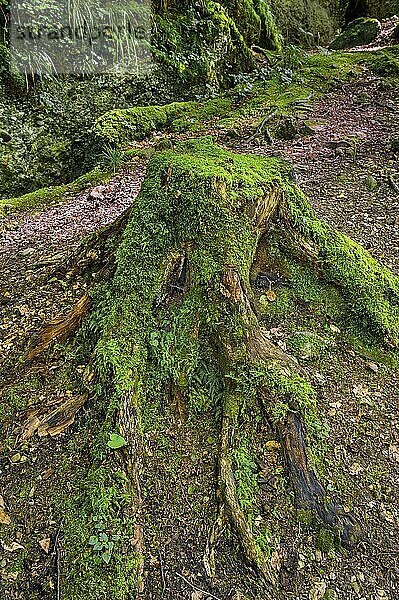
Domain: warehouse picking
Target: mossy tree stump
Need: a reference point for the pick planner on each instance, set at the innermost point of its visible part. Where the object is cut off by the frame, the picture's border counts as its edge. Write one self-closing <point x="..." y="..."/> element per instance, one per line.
<point x="181" y="363"/>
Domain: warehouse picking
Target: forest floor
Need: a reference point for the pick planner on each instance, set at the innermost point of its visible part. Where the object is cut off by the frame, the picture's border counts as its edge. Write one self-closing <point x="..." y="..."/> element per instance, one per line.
<point x="349" y="168"/>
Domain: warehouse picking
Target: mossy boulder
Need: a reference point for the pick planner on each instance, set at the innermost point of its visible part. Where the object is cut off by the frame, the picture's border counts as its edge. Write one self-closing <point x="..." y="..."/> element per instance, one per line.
<point x="359" y="32"/>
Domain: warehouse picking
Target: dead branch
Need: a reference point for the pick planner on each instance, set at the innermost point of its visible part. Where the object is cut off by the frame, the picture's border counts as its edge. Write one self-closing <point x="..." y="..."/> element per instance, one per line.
<point x="262" y="124"/>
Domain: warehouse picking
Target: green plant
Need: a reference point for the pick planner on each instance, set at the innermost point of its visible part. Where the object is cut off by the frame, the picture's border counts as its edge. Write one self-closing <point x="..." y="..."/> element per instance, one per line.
<point x="112" y="158"/>
<point x="116" y="441"/>
<point x="102" y="543"/>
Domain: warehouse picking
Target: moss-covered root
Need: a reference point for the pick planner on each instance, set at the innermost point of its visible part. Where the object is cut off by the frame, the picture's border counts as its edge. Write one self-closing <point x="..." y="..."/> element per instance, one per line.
<point x="235" y="513"/>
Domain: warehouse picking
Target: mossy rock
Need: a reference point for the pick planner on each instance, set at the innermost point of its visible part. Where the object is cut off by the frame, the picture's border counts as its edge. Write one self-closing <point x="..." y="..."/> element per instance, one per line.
<point x="359" y="32"/>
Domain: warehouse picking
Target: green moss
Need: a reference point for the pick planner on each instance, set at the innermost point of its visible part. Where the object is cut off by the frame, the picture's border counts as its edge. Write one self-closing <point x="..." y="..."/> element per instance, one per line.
<point x="307" y="344"/>
<point x="45" y="196"/>
<point x="245" y="477"/>
<point x="236" y="109"/>
<point x="326" y="541"/>
<point x="372" y="291"/>
<point x="385" y="63"/>
<point x="359" y="32"/>
<point x="304" y="517"/>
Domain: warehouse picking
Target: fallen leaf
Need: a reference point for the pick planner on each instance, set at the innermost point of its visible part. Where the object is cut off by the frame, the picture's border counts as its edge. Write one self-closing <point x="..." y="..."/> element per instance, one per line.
<point x="318" y="590"/>
<point x="360" y="390"/>
<point x="12" y="547"/>
<point x="388" y="516"/>
<point x="9" y="576"/>
<point x="45" y="545"/>
<point x="334" y="328"/>
<point x="373" y="367"/>
<point x="272" y="445"/>
<point x="271" y="296"/>
<point x="116" y="441"/>
<point x="4" y="518"/>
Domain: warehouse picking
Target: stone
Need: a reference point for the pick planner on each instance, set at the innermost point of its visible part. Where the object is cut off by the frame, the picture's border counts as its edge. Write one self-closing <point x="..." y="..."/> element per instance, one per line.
<point x="359" y="32"/>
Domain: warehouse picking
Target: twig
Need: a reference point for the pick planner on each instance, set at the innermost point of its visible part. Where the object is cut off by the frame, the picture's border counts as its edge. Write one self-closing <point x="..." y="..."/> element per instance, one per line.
<point x="268" y="136"/>
<point x="388" y="106"/>
<point x="57" y="535"/>
<point x="58" y="573"/>
<point x="162" y="574"/>
<point x="303" y="100"/>
<point x="196" y="588"/>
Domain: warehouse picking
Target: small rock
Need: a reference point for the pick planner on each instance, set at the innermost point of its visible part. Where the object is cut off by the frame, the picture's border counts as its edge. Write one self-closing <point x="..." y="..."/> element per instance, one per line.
<point x="16" y="457"/>
<point x="97" y="193"/>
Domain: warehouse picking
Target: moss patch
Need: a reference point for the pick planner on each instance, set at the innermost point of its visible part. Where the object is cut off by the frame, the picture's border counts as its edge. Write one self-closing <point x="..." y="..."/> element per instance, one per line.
<point x="49" y="195"/>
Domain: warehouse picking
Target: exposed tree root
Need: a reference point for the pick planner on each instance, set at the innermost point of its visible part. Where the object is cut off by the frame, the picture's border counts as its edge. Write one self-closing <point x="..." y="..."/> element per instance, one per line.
<point x="233" y="509"/>
<point x="128" y="421"/>
<point x="309" y="493"/>
<point x="61" y="328"/>
<point x="52" y="419"/>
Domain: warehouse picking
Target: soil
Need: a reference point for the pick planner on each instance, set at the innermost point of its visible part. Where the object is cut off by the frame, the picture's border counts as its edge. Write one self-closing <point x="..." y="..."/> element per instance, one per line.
<point x="343" y="167"/>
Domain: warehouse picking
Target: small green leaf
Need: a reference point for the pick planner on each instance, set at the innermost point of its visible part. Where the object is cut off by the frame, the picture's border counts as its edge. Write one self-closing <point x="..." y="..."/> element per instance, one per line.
<point x="191" y="490"/>
<point x="100" y="526"/>
<point x="103" y="537"/>
<point x="116" y="441"/>
<point x="97" y="547"/>
<point x="106" y="556"/>
<point x="93" y="540"/>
